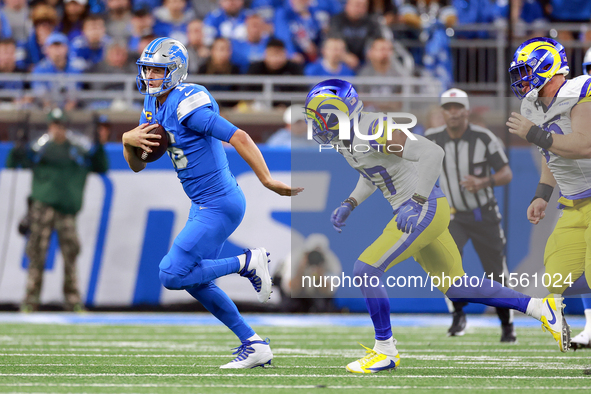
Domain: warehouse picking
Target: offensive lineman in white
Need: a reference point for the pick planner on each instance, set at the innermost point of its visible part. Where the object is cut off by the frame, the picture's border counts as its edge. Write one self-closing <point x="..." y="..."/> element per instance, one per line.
<point x="419" y="228"/>
<point x="555" y="116"/>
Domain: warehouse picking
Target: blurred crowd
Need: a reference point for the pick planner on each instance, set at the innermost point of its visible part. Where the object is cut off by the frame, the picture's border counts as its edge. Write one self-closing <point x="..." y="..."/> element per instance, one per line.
<point x="332" y="38"/>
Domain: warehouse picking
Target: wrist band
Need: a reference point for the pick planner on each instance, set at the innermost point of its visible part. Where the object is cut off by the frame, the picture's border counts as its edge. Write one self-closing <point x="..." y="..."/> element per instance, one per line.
<point x="543" y="191"/>
<point x="492" y="181"/>
<point x="419" y="199"/>
<point x="537" y="136"/>
<point x="351" y="201"/>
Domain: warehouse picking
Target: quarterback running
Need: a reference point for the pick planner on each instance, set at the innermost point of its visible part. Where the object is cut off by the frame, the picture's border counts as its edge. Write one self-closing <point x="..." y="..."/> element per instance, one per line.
<point x="190" y="115"/>
<point x="407" y="178"/>
<point x="555" y="116"/>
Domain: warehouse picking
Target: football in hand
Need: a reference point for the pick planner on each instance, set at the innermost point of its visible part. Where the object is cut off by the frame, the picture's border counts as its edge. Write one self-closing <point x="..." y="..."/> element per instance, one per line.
<point x="157" y="151"/>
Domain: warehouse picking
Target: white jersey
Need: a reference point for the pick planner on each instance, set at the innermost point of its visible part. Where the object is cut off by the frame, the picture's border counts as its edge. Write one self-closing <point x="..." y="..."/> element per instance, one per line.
<point x="396" y="177"/>
<point x="573" y="176"/>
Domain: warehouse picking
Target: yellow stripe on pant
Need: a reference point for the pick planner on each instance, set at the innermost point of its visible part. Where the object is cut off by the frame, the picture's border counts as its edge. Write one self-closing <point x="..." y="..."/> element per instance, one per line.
<point x="431" y="245"/>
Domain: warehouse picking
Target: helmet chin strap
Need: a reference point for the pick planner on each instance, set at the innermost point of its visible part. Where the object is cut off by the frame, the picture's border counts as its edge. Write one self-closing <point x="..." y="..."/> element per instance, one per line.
<point x="532" y="95"/>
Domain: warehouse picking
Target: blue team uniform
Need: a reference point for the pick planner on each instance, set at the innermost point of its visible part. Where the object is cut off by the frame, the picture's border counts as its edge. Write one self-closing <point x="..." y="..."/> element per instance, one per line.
<point x="190" y="115"/>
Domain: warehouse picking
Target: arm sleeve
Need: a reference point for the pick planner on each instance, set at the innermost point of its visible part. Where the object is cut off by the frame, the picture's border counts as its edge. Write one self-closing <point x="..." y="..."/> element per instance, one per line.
<point x="496" y="155"/>
<point x="429" y="156"/>
<point x="205" y="121"/>
<point x="363" y="190"/>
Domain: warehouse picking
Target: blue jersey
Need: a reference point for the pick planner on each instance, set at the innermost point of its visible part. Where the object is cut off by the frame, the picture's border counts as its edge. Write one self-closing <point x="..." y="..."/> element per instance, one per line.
<point x="191" y="116"/>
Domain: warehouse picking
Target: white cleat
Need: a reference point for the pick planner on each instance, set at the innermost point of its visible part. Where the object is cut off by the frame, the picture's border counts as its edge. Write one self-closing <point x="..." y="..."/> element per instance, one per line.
<point x="373" y="362"/>
<point x="256" y="269"/>
<point x="581" y="341"/>
<point x="251" y="354"/>
<point x="554" y="322"/>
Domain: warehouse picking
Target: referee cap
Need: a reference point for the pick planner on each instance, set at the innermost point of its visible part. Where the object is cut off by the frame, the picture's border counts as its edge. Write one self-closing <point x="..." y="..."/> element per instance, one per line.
<point x="455" y="96"/>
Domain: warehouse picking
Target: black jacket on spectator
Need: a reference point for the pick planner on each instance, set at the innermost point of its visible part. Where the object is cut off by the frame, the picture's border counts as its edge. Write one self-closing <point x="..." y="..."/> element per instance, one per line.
<point x="356" y="34"/>
<point x="290" y="68"/>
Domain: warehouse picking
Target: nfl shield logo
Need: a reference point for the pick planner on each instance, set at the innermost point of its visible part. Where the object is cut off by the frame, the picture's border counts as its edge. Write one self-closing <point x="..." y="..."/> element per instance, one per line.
<point x="477" y="171"/>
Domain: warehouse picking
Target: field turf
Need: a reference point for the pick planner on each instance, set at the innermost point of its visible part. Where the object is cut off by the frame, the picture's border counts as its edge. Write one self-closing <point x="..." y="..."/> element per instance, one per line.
<point x="178" y="358"/>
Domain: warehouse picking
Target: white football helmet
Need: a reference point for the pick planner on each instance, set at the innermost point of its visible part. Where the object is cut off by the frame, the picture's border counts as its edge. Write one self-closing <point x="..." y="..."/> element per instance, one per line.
<point x="166" y="53"/>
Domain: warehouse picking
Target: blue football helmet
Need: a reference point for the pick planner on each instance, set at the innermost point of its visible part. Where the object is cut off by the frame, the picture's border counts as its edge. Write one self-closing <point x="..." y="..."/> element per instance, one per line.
<point x="166" y="53"/>
<point x="535" y="62"/>
<point x="333" y="94"/>
<point x="587" y="62"/>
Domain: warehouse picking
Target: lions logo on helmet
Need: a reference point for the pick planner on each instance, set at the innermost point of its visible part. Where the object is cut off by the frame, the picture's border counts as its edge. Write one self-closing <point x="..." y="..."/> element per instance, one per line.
<point x="168" y="54"/>
<point x="535" y="62"/>
<point x="332" y="94"/>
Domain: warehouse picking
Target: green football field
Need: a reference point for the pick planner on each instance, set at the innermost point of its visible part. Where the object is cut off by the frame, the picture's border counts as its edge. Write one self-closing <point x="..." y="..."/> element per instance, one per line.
<point x="184" y="358"/>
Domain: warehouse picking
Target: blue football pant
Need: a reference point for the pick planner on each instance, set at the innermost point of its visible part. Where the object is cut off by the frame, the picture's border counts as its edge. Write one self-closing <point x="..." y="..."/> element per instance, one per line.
<point x="192" y="263"/>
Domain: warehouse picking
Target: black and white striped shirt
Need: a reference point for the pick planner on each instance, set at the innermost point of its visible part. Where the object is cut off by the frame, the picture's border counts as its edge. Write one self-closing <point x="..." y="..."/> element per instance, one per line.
<point x="473" y="154"/>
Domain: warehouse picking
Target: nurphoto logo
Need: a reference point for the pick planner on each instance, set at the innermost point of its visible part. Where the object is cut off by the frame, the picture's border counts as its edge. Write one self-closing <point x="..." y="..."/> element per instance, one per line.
<point x="324" y="123"/>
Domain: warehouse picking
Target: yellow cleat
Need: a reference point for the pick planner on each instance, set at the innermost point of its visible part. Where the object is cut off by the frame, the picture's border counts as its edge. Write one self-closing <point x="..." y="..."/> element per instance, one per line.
<point x="554" y="322"/>
<point x="373" y="362"/>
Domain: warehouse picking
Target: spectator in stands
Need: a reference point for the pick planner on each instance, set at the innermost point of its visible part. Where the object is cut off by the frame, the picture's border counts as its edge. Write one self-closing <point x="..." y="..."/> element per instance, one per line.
<point x="294" y="132"/>
<point x="142" y="23"/>
<point x="75" y="11"/>
<point x="57" y="92"/>
<point x="228" y="21"/>
<point x="253" y="48"/>
<point x="5" y="30"/>
<point x="203" y="8"/>
<point x="137" y="5"/>
<point x="118" y="19"/>
<point x="8" y="65"/>
<point x="356" y="27"/>
<point x="116" y="61"/>
<point x="172" y="19"/>
<point x="276" y="62"/>
<point x="414" y="12"/>
<point x="575" y="11"/>
<point x="382" y="64"/>
<point x="297" y="26"/>
<point x="219" y="62"/>
<point x="323" y="10"/>
<point x="196" y="48"/>
<point x="45" y="20"/>
<point x="17" y="14"/>
<point x="88" y="49"/>
<point x="383" y="11"/>
<point x="331" y="64"/>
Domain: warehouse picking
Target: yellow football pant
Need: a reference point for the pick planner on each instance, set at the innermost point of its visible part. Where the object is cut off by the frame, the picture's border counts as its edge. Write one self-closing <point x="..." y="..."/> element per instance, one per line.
<point x="431" y="245"/>
<point x="568" y="250"/>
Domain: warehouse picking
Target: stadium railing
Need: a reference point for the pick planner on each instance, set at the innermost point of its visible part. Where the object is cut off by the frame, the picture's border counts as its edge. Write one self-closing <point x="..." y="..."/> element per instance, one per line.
<point x="263" y="89"/>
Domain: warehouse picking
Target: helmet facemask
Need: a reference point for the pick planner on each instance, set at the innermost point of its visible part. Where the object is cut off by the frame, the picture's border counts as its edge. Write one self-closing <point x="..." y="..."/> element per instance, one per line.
<point x="143" y="81"/>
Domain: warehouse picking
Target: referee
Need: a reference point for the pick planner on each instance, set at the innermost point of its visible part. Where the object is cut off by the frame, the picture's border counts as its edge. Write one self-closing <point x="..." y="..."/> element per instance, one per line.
<point x="470" y="153"/>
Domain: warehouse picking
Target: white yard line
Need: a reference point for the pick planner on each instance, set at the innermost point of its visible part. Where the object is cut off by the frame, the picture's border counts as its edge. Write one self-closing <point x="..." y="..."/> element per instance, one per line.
<point x="222" y="375"/>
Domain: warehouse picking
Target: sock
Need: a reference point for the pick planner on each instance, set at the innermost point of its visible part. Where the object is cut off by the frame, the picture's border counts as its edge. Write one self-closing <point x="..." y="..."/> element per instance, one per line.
<point x="587" y="319"/>
<point x="488" y="293"/>
<point x="255" y="337"/>
<point x="534" y="308"/>
<point x="221" y="306"/>
<point x="387" y="347"/>
<point x="376" y="300"/>
<point x="580" y="286"/>
<point x="241" y="261"/>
